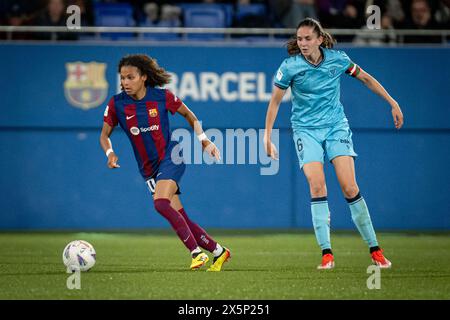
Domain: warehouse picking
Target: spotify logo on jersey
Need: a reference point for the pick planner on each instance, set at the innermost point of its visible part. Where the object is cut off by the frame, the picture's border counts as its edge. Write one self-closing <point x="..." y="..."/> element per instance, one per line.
<point x="134" y="131"/>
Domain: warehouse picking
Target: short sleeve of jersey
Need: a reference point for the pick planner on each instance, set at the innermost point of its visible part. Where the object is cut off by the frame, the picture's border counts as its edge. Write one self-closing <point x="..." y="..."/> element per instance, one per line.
<point x="345" y="61"/>
<point x="172" y="102"/>
<point x="349" y="67"/>
<point x="110" y="116"/>
<point x="283" y="77"/>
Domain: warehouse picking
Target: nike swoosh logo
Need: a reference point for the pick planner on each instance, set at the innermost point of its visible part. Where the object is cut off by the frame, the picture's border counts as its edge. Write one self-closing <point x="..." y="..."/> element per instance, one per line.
<point x="160" y="173"/>
<point x="129" y="117"/>
<point x="186" y="238"/>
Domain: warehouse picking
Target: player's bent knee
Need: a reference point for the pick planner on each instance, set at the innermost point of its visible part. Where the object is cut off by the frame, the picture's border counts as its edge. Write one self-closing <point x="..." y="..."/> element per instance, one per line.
<point x="350" y="191"/>
<point x="317" y="193"/>
<point x="318" y="188"/>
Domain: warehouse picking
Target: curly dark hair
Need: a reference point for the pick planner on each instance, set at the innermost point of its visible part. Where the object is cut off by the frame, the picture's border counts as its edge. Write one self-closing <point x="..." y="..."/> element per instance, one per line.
<point x="328" y="40"/>
<point x="156" y="76"/>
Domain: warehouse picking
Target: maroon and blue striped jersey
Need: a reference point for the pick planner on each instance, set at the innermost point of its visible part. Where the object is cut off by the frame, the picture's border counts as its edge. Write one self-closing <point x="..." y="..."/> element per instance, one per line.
<point x="146" y="124"/>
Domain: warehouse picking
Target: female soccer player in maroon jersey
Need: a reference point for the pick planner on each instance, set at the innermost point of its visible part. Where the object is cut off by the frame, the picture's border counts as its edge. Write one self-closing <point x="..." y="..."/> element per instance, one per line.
<point x="141" y="109"/>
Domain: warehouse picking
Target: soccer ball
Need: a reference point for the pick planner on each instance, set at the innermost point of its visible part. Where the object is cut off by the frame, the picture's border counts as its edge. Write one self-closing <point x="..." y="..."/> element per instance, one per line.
<point x="79" y="255"/>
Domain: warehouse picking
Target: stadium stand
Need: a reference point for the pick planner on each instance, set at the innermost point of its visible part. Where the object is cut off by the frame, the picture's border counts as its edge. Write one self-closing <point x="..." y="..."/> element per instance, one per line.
<point x="114" y="15"/>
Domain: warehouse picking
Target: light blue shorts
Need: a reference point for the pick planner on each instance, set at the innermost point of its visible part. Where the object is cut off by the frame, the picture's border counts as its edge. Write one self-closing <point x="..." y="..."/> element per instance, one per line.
<point x="312" y="144"/>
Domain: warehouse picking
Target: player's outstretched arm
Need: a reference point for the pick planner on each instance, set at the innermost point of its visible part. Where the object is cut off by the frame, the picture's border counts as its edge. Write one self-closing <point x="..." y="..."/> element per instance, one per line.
<point x="106" y="145"/>
<point x="272" y="111"/>
<point x="376" y="87"/>
<point x="207" y="144"/>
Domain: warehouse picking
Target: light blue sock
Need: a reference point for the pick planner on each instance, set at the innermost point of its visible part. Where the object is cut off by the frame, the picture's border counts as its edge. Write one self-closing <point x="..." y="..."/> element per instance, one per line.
<point x="361" y="218"/>
<point x="320" y="217"/>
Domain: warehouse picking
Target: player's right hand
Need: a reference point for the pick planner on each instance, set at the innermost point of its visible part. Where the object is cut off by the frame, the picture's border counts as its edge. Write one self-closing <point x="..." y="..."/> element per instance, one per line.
<point x="211" y="148"/>
<point x="271" y="150"/>
<point x="112" y="161"/>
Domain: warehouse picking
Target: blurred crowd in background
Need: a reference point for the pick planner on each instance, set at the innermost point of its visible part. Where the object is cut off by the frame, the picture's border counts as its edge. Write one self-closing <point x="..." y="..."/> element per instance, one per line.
<point x="346" y="14"/>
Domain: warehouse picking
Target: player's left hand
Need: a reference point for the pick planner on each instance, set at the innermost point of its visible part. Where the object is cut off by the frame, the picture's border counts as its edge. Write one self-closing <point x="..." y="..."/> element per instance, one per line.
<point x="211" y="148"/>
<point x="397" y="115"/>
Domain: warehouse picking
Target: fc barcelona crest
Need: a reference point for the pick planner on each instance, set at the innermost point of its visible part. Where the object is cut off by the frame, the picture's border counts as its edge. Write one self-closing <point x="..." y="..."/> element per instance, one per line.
<point x="85" y="86"/>
<point x="153" y="112"/>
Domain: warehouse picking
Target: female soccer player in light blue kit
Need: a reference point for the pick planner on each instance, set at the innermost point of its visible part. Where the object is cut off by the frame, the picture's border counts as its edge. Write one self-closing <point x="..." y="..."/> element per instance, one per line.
<point x="320" y="126"/>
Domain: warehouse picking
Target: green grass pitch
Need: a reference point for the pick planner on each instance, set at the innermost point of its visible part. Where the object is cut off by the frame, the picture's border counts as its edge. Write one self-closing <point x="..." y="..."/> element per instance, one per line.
<point x="264" y="265"/>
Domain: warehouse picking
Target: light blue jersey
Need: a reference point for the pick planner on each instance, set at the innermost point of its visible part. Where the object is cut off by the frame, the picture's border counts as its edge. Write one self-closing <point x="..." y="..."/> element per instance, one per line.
<point x="315" y="89"/>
